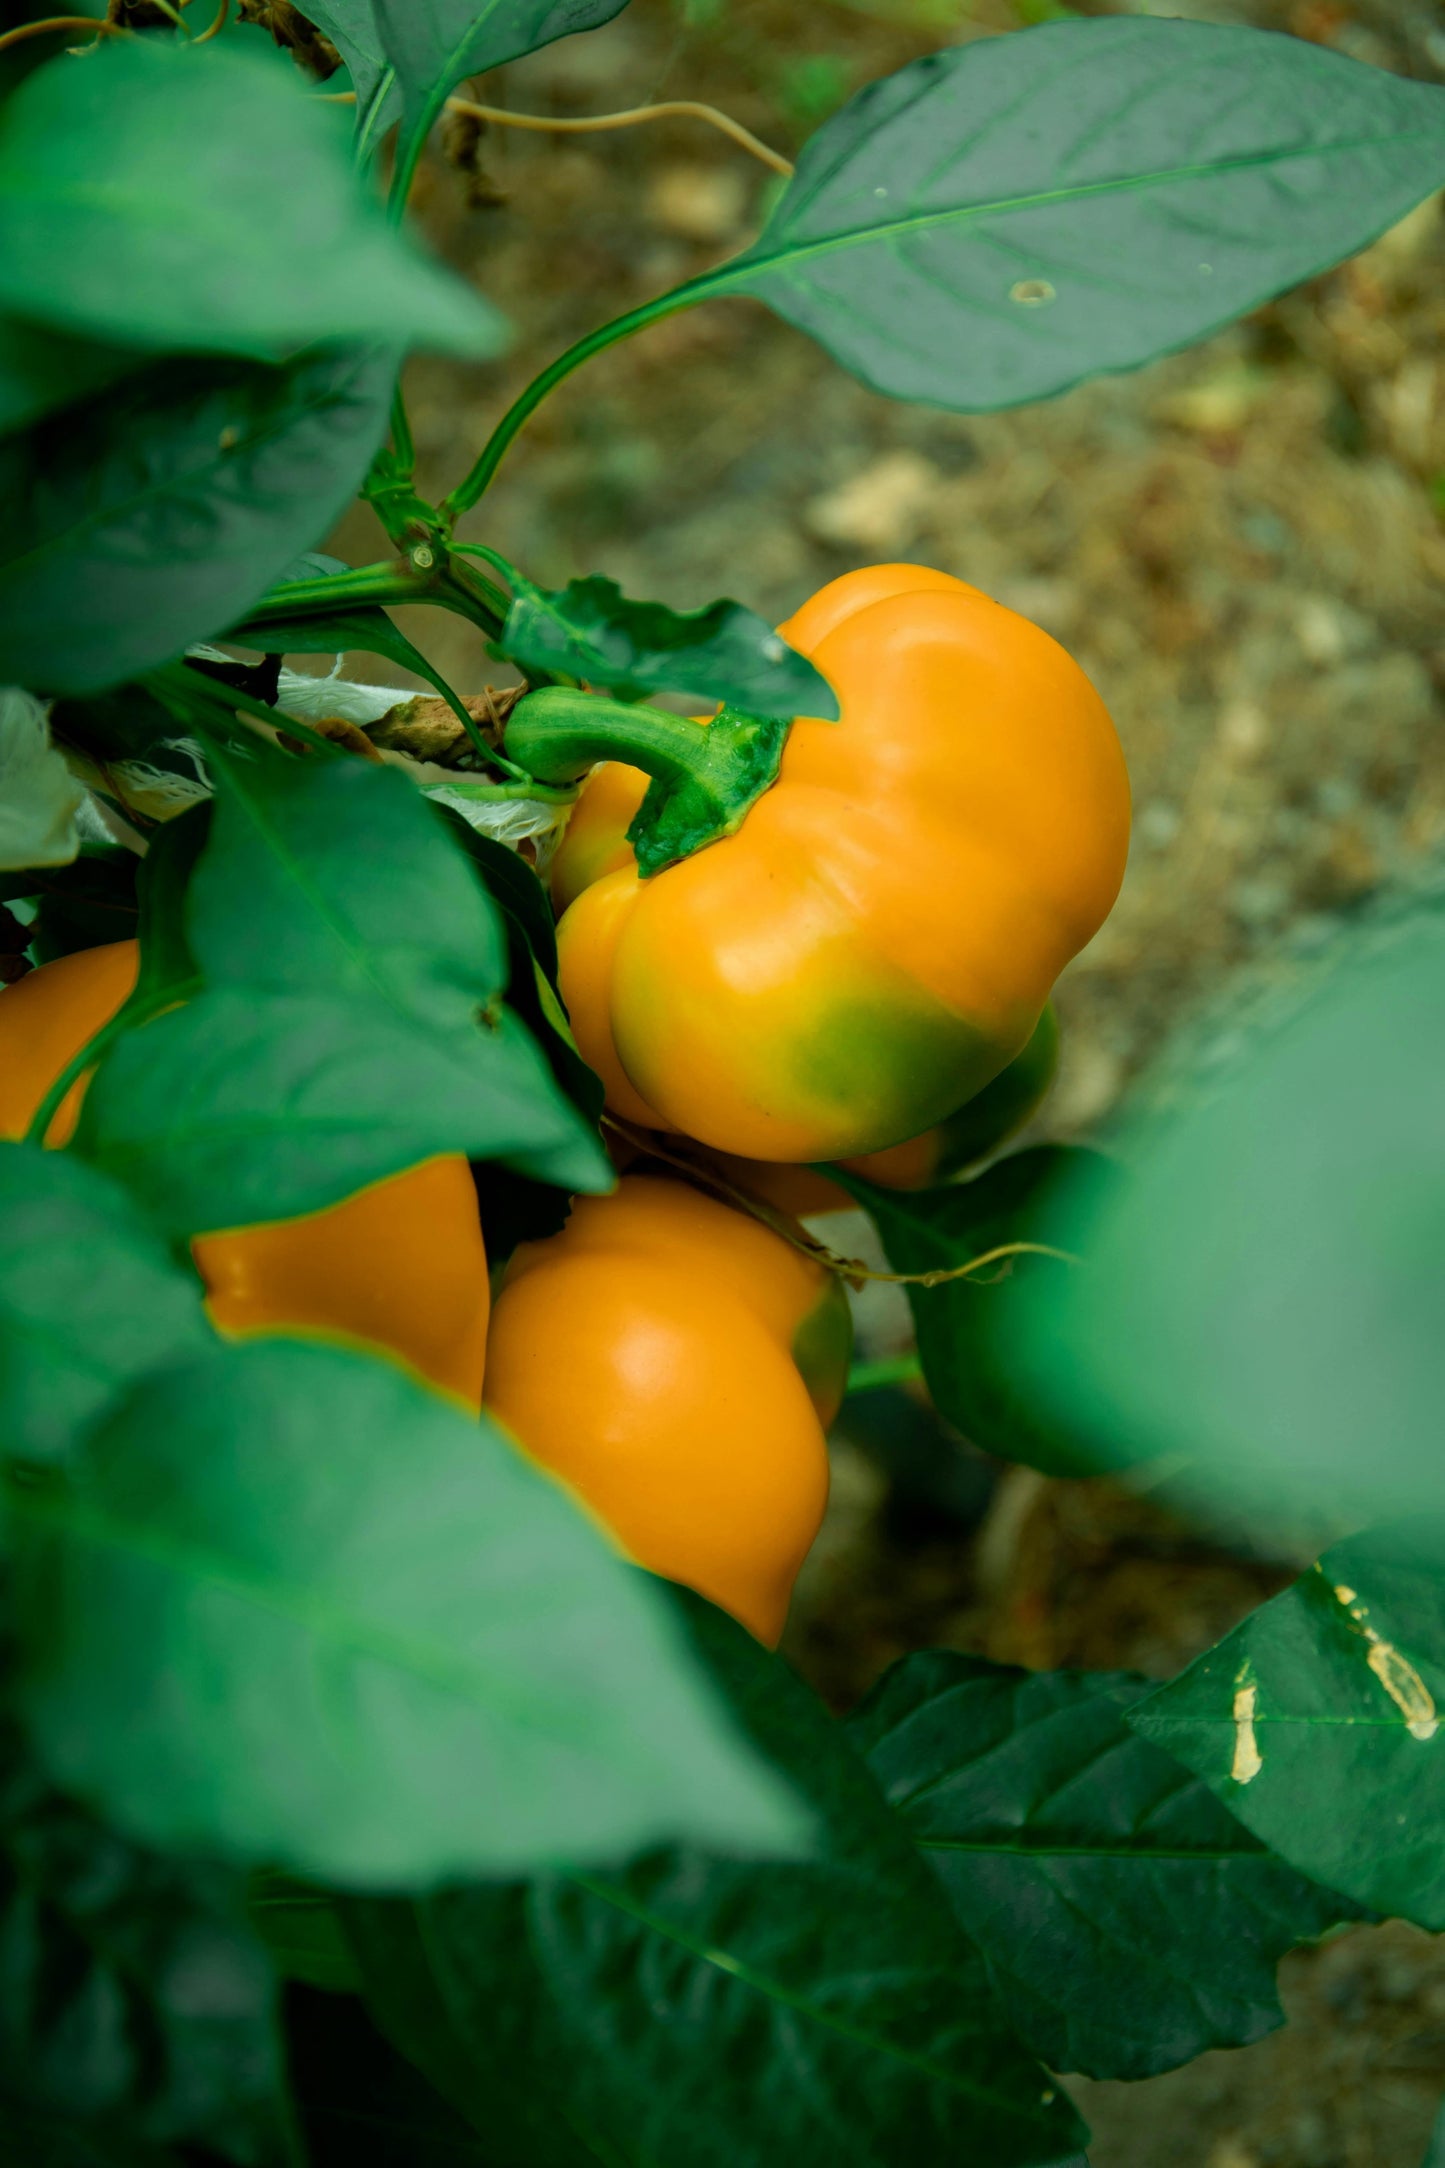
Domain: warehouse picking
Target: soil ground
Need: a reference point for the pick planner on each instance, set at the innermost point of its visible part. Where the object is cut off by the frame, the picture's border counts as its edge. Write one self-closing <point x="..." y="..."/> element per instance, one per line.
<point x="1244" y="546"/>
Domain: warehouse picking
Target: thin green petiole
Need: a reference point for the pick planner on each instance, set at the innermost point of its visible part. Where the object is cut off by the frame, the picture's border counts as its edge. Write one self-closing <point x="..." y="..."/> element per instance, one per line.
<point x="138" y="1010"/>
<point x="401" y="437"/>
<point x="471" y="488"/>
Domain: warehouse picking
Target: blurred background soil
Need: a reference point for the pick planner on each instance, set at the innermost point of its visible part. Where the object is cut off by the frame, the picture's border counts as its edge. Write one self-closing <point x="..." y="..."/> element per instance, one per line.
<point x="1244" y="545"/>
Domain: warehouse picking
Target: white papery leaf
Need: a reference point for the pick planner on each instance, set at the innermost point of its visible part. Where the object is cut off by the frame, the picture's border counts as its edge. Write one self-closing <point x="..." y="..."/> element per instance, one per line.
<point x="39" y="797"/>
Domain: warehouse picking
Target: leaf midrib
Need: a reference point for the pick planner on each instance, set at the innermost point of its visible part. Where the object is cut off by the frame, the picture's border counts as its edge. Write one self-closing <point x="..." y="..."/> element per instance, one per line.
<point x="878" y="232"/>
<point x="732" y="1968"/>
<point x="433" y="1662"/>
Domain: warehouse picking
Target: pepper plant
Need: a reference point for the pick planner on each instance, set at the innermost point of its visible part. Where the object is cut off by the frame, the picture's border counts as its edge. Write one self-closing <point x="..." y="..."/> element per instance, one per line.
<point x="358" y="1801"/>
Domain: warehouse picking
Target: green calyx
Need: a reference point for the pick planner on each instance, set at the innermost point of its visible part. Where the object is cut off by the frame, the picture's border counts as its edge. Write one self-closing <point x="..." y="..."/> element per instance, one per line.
<point x="705" y="777"/>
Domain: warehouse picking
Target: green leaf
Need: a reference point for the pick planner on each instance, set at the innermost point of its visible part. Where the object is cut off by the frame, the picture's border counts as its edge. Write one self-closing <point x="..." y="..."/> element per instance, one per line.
<point x="589" y="629"/>
<point x="41" y="370"/>
<point x="392" y="1664"/>
<point x="996" y="222"/>
<point x="963" y="1325"/>
<point x="136" y="2006"/>
<point x="702" y="2011"/>
<point x="154" y="518"/>
<point x="90" y="1300"/>
<point x="39" y="797"/>
<point x="515" y="1209"/>
<point x="360" y="2103"/>
<point x="1262" y="1290"/>
<point x="45" y="2139"/>
<point x="268" y="241"/>
<point x="168" y="965"/>
<point x="351" y="27"/>
<point x="348" y="1028"/>
<point x="83" y="905"/>
<point x="301" y="1928"/>
<point x="431" y="45"/>
<point x="368" y="630"/>
<point x="1128" y="1921"/>
<point x="1316" y="1721"/>
<point x="1435" y="2151"/>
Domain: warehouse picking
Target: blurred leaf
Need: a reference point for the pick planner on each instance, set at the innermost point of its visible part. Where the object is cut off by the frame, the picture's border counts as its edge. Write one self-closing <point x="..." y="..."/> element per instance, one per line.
<point x="1128" y="1921"/>
<point x="590" y="629"/>
<point x="998" y="221"/>
<point x="268" y="242"/>
<point x="361" y="2104"/>
<point x="43" y="2138"/>
<point x="39" y="797"/>
<point x="301" y="1928"/>
<point x="1264" y="1281"/>
<point x="1435" y="2151"/>
<point x="295" y="1609"/>
<point x="90" y="1300"/>
<point x="703" y="2011"/>
<point x="136" y="2006"/>
<point x="349" y="1026"/>
<point x="1316" y="1721"/>
<point x="432" y="45"/>
<point x="960" y="1324"/>
<point x="153" y="519"/>
<point x="41" y="370"/>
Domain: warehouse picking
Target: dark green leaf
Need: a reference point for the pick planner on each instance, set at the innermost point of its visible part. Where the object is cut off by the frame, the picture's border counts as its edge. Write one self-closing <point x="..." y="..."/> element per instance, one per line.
<point x="590" y="629"/>
<point x="349" y="1027"/>
<point x="1316" y="1721"/>
<point x="136" y="2006"/>
<point x="1435" y="2151"/>
<point x="368" y="631"/>
<point x="361" y="2104"/>
<point x="152" y="519"/>
<point x="44" y="2139"/>
<point x="962" y="1324"/>
<point x="90" y="1300"/>
<point x="998" y="221"/>
<point x="301" y="1928"/>
<point x="351" y="27"/>
<point x="41" y="370"/>
<point x="83" y="905"/>
<point x="269" y="240"/>
<point x="515" y="1209"/>
<point x="403" y="1661"/>
<point x="1263" y="1286"/>
<point x="1128" y="1921"/>
<point x="432" y="45"/>
<point x="704" y="2012"/>
<point x="167" y="964"/>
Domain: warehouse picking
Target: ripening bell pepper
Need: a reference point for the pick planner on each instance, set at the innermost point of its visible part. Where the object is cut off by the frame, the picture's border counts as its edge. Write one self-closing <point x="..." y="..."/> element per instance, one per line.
<point x="877" y="939"/>
<point x="677" y="1365"/>
<point x="400" y="1265"/>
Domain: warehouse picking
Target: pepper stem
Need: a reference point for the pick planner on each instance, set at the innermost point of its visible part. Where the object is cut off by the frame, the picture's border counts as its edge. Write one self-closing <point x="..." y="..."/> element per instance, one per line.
<point x="706" y="776"/>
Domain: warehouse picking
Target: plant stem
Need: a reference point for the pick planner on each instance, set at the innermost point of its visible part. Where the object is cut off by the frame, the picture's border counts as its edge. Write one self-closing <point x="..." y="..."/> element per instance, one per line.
<point x="471" y="488"/>
<point x="558" y="734"/>
<point x="402" y="442"/>
<point x="392" y="581"/>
